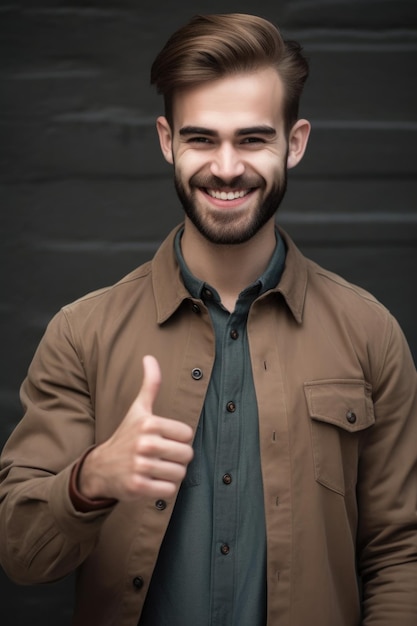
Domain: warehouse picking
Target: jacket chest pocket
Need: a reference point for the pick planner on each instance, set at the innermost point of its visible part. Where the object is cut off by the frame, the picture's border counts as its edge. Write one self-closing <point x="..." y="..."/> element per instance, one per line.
<point x="340" y="411"/>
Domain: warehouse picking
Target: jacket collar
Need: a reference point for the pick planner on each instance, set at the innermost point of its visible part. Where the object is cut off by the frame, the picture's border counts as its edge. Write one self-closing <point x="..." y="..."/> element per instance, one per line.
<point x="170" y="291"/>
<point x="168" y="288"/>
<point x="293" y="283"/>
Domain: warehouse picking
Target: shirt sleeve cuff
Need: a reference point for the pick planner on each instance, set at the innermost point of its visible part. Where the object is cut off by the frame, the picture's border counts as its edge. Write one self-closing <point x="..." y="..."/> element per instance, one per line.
<point x="80" y="502"/>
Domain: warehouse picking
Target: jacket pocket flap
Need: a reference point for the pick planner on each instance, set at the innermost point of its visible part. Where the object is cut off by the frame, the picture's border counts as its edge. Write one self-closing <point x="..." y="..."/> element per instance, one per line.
<point x="346" y="403"/>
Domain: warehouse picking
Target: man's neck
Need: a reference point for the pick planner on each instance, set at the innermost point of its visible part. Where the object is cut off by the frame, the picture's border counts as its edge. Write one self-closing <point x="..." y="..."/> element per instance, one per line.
<point x="228" y="268"/>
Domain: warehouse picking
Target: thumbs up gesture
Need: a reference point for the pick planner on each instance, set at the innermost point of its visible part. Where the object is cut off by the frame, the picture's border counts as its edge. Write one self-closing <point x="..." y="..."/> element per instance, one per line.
<point x="146" y="456"/>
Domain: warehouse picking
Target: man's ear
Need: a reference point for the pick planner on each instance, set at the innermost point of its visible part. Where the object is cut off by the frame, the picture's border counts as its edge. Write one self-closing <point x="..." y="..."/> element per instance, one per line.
<point x="297" y="142"/>
<point x="165" y="138"/>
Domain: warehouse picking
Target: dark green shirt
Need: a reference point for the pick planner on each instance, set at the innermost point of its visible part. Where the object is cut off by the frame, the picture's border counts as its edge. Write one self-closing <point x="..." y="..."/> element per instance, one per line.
<point x="211" y="568"/>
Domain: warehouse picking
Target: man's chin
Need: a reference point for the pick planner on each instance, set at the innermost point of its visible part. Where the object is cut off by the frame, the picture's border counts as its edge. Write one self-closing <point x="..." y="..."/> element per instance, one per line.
<point x="225" y="230"/>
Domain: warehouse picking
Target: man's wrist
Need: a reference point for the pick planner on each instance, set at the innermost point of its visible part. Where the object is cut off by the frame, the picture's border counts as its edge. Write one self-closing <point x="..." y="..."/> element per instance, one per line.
<point x="82" y="503"/>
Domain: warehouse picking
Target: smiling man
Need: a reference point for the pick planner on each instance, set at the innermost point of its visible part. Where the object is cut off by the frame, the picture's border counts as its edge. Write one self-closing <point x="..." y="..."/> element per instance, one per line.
<point x="231" y="153"/>
<point x="230" y="149"/>
<point x="228" y="435"/>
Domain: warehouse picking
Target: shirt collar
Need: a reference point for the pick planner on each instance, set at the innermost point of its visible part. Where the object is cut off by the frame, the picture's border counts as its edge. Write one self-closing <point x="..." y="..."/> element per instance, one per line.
<point x="268" y="280"/>
<point x="170" y="291"/>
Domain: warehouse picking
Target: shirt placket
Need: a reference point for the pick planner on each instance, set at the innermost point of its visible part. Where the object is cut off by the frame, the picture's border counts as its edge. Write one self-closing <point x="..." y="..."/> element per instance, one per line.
<point x="225" y="484"/>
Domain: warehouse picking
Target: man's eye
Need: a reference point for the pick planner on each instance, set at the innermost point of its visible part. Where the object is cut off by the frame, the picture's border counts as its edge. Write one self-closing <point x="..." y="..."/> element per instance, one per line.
<point x="253" y="140"/>
<point x="198" y="140"/>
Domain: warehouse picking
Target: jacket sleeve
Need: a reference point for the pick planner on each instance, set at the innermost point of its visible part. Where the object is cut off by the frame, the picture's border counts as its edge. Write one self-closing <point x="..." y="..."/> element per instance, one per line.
<point x="387" y="491"/>
<point x="43" y="537"/>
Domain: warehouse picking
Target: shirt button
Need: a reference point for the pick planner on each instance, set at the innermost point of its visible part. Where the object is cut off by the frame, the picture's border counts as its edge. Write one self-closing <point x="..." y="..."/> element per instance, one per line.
<point x="227" y="479"/>
<point x="234" y="334"/>
<point x="138" y="582"/>
<point x="207" y="293"/>
<point x="161" y="505"/>
<point x="224" y="549"/>
<point x="196" y="308"/>
<point x="231" y="407"/>
<point x="196" y="373"/>
<point x="351" y="417"/>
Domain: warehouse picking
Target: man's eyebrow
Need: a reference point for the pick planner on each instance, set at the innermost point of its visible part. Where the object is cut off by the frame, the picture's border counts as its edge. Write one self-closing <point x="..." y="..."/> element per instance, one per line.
<point x="257" y="130"/>
<point x="263" y="129"/>
<point x="196" y="130"/>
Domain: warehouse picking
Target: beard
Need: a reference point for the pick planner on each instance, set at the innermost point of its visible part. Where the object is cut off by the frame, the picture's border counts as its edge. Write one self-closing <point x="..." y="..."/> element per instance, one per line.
<point x="224" y="227"/>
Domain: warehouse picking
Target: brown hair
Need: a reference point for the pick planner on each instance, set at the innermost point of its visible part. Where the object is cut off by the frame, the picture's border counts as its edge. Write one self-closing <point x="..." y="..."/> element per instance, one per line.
<point x="210" y="47"/>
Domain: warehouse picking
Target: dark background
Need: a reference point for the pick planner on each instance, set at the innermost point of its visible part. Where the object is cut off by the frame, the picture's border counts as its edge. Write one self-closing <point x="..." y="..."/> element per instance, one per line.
<point x="85" y="195"/>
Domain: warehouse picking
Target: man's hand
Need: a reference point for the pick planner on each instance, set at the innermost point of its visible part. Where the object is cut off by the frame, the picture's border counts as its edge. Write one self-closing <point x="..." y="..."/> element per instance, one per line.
<point x="146" y="456"/>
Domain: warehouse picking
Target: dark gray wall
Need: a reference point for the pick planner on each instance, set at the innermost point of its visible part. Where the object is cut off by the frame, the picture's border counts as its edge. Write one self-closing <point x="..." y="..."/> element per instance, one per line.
<point x="86" y="196"/>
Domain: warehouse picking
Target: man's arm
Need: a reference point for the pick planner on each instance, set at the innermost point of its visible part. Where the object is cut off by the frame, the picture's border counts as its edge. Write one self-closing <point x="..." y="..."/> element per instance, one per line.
<point x="47" y="533"/>
<point x="387" y="493"/>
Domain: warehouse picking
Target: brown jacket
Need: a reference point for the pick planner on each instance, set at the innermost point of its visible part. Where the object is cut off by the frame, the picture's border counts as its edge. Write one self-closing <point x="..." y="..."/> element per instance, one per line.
<point x="337" y="395"/>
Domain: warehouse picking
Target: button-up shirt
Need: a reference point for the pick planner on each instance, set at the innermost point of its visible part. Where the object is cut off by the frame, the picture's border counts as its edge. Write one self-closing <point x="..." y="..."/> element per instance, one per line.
<point x="211" y="568"/>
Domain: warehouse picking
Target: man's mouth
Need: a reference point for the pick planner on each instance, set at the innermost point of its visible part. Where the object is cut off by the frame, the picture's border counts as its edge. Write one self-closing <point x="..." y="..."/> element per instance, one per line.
<point x="227" y="195"/>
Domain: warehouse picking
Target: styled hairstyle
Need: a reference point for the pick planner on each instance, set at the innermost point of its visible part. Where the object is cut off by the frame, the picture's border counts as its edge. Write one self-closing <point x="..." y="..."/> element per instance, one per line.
<point x="210" y="47"/>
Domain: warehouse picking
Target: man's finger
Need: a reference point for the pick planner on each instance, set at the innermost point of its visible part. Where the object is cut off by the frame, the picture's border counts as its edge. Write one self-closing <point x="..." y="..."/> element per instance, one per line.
<point x="151" y="382"/>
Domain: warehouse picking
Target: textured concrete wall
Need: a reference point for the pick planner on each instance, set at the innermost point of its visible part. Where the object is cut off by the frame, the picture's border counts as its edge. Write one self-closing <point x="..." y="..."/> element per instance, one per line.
<point x="85" y="195"/>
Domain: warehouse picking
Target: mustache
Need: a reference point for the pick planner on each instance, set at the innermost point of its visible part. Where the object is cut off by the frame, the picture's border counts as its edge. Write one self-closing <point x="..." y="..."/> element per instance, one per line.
<point x="214" y="182"/>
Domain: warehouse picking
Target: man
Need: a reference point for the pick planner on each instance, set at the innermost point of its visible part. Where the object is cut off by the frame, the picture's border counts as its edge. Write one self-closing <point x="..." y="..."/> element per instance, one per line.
<point x="269" y="457"/>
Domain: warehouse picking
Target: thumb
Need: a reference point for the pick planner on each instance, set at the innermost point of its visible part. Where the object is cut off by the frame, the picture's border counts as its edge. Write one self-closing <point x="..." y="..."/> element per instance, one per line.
<point x="151" y="382"/>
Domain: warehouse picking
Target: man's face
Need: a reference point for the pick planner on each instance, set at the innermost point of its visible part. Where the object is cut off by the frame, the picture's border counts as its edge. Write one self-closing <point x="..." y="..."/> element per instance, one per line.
<point x="229" y="152"/>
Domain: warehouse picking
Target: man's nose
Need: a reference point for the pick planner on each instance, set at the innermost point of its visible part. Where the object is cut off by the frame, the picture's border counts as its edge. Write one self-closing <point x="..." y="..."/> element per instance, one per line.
<point x="227" y="163"/>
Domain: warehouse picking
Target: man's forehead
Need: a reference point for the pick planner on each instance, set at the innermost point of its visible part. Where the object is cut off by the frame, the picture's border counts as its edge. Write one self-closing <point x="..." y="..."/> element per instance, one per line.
<point x="250" y="99"/>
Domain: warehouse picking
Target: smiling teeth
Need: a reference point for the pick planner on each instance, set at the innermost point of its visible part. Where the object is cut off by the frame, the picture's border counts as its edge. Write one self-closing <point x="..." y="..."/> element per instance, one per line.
<point x="227" y="195"/>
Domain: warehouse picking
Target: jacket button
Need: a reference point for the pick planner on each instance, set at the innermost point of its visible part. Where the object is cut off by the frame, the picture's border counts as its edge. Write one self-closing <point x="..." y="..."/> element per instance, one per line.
<point x="196" y="373"/>
<point x="161" y="505"/>
<point x="225" y="549"/>
<point x="196" y="308"/>
<point x="351" y="417"/>
<point x="227" y="479"/>
<point x="231" y="407"/>
<point x="138" y="582"/>
<point x="234" y="334"/>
